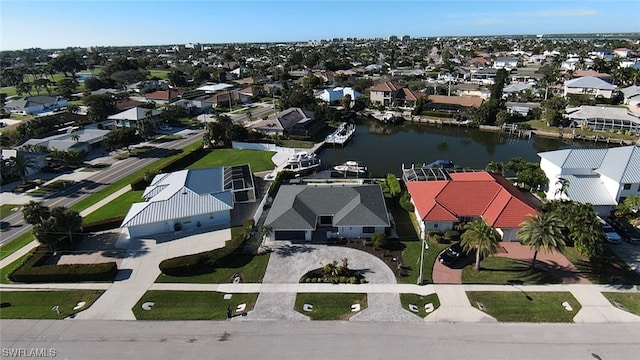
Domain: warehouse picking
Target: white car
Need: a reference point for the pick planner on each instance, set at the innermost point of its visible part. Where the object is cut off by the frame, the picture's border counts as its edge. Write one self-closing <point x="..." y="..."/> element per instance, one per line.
<point x="612" y="236"/>
<point x="165" y="127"/>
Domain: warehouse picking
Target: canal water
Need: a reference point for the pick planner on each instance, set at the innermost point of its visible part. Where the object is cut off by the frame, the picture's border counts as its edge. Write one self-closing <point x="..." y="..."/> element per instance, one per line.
<point x="384" y="148"/>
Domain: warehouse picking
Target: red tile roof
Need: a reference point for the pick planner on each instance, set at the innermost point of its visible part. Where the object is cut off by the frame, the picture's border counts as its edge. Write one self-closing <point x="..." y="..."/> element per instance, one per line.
<point x="466" y="101"/>
<point x="483" y="194"/>
<point x="387" y="86"/>
<point x="165" y="94"/>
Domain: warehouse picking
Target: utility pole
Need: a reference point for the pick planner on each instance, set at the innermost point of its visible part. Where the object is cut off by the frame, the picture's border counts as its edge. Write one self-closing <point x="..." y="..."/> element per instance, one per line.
<point x="425" y="246"/>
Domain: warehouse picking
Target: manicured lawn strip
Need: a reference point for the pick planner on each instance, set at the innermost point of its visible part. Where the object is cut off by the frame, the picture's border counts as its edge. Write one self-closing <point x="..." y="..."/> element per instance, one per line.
<point x="499" y="270"/>
<point x="298" y="144"/>
<point x="190" y="305"/>
<point x="631" y="301"/>
<point x="8" y="209"/>
<point x="15" y="244"/>
<point x="251" y="267"/>
<point x="605" y="269"/>
<point x="38" y="304"/>
<point x="516" y="307"/>
<point x="110" y="189"/>
<point x="160" y="74"/>
<point x="118" y="207"/>
<point x="5" y="271"/>
<point x="330" y="306"/>
<point x="259" y="160"/>
<point x="419" y="301"/>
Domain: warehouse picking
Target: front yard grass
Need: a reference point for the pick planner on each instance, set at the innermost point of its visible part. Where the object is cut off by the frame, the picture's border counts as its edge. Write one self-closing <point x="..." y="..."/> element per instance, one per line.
<point x="50" y="188"/>
<point x="258" y="160"/>
<point x="500" y="270"/>
<point x="118" y="207"/>
<point x="5" y="271"/>
<point x="420" y="301"/>
<point x="605" y="269"/>
<point x="631" y="301"/>
<point x="191" y="305"/>
<point x="8" y="209"/>
<point x="12" y="246"/>
<point x="38" y="304"/>
<point x="526" y="307"/>
<point x="250" y="267"/>
<point x="330" y="306"/>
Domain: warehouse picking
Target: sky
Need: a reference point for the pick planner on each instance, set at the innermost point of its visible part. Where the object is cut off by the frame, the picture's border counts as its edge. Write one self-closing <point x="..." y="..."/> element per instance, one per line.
<point x="60" y="24"/>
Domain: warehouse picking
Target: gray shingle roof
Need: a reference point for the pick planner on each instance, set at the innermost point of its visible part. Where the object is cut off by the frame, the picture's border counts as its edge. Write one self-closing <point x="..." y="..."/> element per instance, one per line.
<point x="296" y="207"/>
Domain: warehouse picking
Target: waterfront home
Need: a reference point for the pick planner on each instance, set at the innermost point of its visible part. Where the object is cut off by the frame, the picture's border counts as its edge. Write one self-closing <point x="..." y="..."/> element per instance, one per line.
<point x="333" y="95"/>
<point x="461" y="197"/>
<point x="293" y="121"/>
<point x="602" y="118"/>
<point x="602" y="177"/>
<point x="452" y="104"/>
<point x="589" y="85"/>
<point x="189" y="199"/>
<point x="308" y="212"/>
<point x="393" y="94"/>
<point x="507" y="63"/>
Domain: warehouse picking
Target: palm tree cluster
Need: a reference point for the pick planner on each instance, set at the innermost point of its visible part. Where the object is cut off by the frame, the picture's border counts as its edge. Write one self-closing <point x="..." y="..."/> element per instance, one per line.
<point x="54" y="227"/>
<point x="17" y="166"/>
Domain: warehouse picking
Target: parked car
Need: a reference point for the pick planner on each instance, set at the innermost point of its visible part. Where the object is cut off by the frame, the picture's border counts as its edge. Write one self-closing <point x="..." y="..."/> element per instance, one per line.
<point x="628" y="232"/>
<point x="165" y="128"/>
<point x="455" y="257"/>
<point x="611" y="235"/>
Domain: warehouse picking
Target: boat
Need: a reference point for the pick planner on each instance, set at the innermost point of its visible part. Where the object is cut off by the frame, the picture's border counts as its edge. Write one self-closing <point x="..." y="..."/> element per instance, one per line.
<point x="302" y="163"/>
<point x="349" y="168"/>
<point x="445" y="164"/>
<point x="342" y="134"/>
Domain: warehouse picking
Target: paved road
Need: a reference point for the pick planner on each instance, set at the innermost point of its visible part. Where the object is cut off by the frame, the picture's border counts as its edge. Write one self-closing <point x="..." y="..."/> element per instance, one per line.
<point x="84" y="188"/>
<point x="88" y="339"/>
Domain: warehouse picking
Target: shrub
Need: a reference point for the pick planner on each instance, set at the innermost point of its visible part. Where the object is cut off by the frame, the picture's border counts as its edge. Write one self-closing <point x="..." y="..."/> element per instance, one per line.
<point x="32" y="271"/>
<point x="379" y="239"/>
<point x="363" y="281"/>
<point x="405" y="202"/>
<point x="353" y="280"/>
<point x="440" y="239"/>
<point x="139" y="184"/>
<point x="451" y="235"/>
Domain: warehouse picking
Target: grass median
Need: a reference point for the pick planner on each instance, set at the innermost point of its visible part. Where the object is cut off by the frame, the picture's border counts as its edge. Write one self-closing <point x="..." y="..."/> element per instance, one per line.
<point x="419" y="301"/>
<point x="330" y="306"/>
<point x="624" y="301"/>
<point x="39" y="304"/>
<point x="14" y="245"/>
<point x="191" y="305"/>
<point x="521" y="306"/>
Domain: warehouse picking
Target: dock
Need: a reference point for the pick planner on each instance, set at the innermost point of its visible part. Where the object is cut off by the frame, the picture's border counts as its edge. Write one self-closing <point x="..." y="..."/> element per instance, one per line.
<point x="341" y="135"/>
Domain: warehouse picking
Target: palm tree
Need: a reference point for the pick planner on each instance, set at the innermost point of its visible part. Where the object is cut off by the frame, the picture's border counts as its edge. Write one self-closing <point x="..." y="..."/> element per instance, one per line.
<point x="34" y="212"/>
<point x="481" y="237"/>
<point x="21" y="164"/>
<point x="562" y="188"/>
<point x="75" y="137"/>
<point x="542" y="232"/>
<point x="67" y="220"/>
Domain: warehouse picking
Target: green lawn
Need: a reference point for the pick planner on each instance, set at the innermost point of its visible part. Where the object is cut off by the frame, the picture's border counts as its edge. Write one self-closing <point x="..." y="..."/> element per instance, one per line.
<point x="419" y="301"/>
<point x="38" y="304"/>
<point x="297" y="144"/>
<point x="499" y="270"/>
<point x="9" y="248"/>
<point x="330" y="306"/>
<point x="8" y="209"/>
<point x="605" y="269"/>
<point x="118" y="207"/>
<point x="5" y="271"/>
<point x="631" y="301"/>
<point x="190" y="305"/>
<point x="160" y="74"/>
<point x="259" y="160"/>
<point x="526" y="307"/>
<point x="250" y="267"/>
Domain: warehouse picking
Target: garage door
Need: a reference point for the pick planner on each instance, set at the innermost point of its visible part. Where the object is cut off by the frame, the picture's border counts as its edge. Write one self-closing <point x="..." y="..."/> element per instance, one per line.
<point x="290" y="235"/>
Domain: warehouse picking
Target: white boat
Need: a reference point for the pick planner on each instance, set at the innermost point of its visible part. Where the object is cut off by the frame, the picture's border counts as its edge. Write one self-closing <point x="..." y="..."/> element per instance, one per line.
<point x="302" y="155"/>
<point x="302" y="162"/>
<point x="342" y="134"/>
<point x="350" y="168"/>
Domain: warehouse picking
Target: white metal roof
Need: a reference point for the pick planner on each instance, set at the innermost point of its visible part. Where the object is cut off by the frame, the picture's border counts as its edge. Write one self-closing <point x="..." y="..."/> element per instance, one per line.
<point x="588" y="189"/>
<point x="622" y="164"/>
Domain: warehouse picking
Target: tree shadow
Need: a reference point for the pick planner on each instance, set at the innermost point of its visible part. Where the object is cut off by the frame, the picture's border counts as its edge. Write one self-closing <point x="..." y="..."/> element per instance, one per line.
<point x="290" y="250"/>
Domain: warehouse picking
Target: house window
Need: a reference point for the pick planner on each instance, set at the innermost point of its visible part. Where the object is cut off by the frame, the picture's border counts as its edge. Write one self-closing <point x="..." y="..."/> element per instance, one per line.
<point x="627" y="186"/>
<point x="326" y="220"/>
<point x="435" y="226"/>
<point x="368" y="230"/>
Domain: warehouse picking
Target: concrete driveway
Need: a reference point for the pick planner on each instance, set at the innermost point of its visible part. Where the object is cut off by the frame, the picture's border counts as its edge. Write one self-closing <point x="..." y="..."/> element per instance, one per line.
<point x="289" y="262"/>
<point x="629" y="253"/>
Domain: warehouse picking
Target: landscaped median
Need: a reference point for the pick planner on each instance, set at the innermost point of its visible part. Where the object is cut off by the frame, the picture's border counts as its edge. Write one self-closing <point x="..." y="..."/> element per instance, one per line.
<point x="520" y="306"/>
<point x="624" y="301"/>
<point x="420" y="305"/>
<point x="192" y="305"/>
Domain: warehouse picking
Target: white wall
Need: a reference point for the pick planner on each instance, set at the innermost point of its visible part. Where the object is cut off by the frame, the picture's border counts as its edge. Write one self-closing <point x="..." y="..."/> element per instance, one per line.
<point x="508" y="234"/>
<point x="222" y="218"/>
<point x="553" y="172"/>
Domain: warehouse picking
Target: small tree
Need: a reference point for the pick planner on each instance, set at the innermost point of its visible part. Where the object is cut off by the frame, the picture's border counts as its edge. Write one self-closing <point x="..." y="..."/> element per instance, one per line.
<point x="379" y="239"/>
<point x="35" y="213"/>
<point x="394" y="185"/>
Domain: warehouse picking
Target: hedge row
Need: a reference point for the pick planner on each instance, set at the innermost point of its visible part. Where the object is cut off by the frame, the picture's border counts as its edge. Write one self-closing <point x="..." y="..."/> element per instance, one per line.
<point x="200" y="263"/>
<point x="103" y="224"/>
<point x="32" y="271"/>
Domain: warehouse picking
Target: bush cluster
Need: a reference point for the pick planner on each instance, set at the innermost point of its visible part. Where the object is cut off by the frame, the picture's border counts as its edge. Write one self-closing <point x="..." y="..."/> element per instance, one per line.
<point x="32" y="271"/>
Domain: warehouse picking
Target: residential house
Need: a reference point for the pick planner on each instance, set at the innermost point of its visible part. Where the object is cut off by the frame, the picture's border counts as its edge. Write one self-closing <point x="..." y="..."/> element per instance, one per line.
<point x="507" y="63"/>
<point x="127" y="104"/>
<point x="83" y="140"/>
<point x="632" y="96"/>
<point x="327" y="76"/>
<point x="165" y="96"/>
<point x="226" y="99"/>
<point x="334" y="95"/>
<point x="515" y="89"/>
<point x="520" y="108"/>
<point x="472" y="90"/>
<point x="393" y="94"/>
<point x="622" y="52"/>
<point x="132" y="117"/>
<point x="193" y="107"/>
<point x="35" y="104"/>
<point x="214" y="88"/>
<point x="588" y="85"/>
<point x="602" y="177"/>
<point x="601" y="118"/>
<point x="582" y="73"/>
<point x="479" y="62"/>
<point x="146" y="86"/>
<point x="293" y="121"/>
<point x="39" y="160"/>
<point x="462" y="197"/>
<point x="452" y="104"/>
<point x="185" y="200"/>
<point x="308" y="212"/>
<point x="486" y="76"/>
